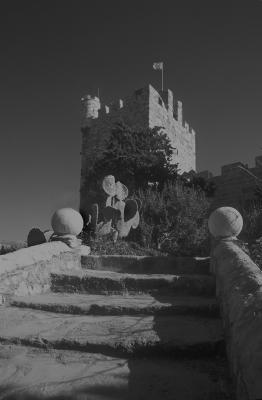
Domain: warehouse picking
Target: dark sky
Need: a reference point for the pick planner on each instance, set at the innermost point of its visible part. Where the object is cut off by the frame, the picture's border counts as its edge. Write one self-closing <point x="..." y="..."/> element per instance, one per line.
<point x="53" y="52"/>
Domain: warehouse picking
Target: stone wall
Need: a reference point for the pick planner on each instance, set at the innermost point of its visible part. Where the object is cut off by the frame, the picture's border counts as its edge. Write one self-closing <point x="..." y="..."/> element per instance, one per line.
<point x="235" y="187"/>
<point x="27" y="271"/>
<point x="145" y="108"/>
<point x="239" y="290"/>
<point x="167" y="113"/>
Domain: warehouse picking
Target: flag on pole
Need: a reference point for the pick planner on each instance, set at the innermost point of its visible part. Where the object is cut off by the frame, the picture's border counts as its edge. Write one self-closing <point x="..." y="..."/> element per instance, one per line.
<point x="158" y="65"/>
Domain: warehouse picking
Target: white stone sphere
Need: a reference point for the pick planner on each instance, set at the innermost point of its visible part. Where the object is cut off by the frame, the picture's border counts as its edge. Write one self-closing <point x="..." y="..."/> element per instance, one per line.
<point x="225" y="222"/>
<point x="67" y="221"/>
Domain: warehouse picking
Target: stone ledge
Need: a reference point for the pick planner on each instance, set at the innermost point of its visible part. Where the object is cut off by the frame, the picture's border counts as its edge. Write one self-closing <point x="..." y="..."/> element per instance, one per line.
<point x="147" y="264"/>
<point x="27" y="271"/>
<point x="31" y="255"/>
<point x="177" y="335"/>
<point x="239" y="289"/>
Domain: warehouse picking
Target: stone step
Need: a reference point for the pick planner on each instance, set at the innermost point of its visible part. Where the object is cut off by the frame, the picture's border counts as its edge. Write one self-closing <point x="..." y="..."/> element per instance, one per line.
<point x="113" y="335"/>
<point x="31" y="373"/>
<point x="118" y="305"/>
<point x="147" y="264"/>
<point x="108" y="282"/>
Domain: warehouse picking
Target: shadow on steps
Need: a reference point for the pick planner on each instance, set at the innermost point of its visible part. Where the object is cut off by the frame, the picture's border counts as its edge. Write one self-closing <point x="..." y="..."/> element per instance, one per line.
<point x="164" y="379"/>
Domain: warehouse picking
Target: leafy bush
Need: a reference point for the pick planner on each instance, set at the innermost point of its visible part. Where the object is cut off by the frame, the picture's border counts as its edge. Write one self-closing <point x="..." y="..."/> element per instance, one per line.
<point x="174" y="220"/>
<point x="252" y="232"/>
<point x="9" y="247"/>
<point x="104" y="245"/>
<point x="136" y="156"/>
<point x="255" y="252"/>
<point x="252" y="218"/>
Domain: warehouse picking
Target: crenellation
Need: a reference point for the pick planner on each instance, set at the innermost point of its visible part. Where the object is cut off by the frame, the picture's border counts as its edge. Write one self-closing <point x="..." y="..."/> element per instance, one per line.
<point x="180" y="112"/>
<point x="186" y="125"/>
<point x="105" y="109"/>
<point x="90" y="109"/>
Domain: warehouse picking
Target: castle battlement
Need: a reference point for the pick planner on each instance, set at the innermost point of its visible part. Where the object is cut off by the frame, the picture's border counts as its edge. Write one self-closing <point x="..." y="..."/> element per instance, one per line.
<point x="144" y="108"/>
<point x="93" y="108"/>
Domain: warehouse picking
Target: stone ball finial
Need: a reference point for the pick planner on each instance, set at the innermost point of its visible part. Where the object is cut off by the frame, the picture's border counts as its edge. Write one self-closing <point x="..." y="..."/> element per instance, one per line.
<point x="67" y="221"/>
<point x="225" y="222"/>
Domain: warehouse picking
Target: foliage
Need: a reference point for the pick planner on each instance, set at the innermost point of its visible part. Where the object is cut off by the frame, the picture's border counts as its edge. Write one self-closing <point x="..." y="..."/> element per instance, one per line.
<point x="252" y="218"/>
<point x="104" y="245"/>
<point x="255" y="252"/>
<point x="135" y="157"/>
<point x="252" y="232"/>
<point x="174" y="210"/>
<point x="174" y="220"/>
<point x="200" y="183"/>
<point x="10" y="247"/>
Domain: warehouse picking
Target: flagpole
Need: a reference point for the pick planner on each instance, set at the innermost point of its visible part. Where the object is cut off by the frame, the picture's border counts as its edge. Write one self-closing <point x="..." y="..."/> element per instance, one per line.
<point x="162" y="77"/>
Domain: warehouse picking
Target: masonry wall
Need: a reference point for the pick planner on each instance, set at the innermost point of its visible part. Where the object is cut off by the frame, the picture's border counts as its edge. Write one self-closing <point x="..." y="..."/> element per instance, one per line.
<point x="28" y="271"/>
<point x="164" y="111"/>
<point x="235" y="187"/>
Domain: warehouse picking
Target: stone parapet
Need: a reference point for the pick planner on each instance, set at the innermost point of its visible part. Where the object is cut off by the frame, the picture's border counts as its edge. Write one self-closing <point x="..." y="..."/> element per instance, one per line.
<point x="27" y="271"/>
<point x="239" y="290"/>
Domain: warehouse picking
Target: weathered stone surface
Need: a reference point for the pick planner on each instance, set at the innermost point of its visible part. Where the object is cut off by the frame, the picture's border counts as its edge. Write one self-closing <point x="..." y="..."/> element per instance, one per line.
<point x="27" y="271"/>
<point x="225" y="222"/>
<point x="119" y="305"/>
<point x="239" y="288"/>
<point x="112" y="335"/>
<point x="103" y="282"/>
<point x="84" y="250"/>
<point x="34" y="374"/>
<point x="148" y="264"/>
<point x="67" y="221"/>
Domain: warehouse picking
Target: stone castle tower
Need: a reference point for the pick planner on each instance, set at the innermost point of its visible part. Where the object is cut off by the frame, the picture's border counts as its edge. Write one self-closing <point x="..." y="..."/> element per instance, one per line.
<point x="145" y="108"/>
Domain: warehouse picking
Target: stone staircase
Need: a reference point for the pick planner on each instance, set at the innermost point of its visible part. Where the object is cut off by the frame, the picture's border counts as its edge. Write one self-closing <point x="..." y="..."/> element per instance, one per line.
<point x="102" y="334"/>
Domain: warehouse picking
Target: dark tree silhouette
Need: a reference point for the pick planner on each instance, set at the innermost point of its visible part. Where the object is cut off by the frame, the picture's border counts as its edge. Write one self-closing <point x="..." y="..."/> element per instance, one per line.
<point x="136" y="157"/>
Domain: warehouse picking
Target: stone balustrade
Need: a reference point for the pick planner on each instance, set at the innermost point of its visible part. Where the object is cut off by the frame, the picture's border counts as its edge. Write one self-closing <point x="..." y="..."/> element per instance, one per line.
<point x="27" y="271"/>
<point x="239" y="290"/>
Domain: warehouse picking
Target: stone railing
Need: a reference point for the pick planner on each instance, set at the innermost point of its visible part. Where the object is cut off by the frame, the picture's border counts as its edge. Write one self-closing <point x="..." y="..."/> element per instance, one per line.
<point x="27" y="271"/>
<point x="239" y="291"/>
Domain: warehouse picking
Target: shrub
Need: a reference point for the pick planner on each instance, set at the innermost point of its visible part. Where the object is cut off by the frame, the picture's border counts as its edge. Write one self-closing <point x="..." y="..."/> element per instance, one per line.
<point x="134" y="156"/>
<point x="174" y="220"/>
<point x="252" y="232"/>
<point x="252" y="218"/>
<point x="104" y="245"/>
<point x="9" y="247"/>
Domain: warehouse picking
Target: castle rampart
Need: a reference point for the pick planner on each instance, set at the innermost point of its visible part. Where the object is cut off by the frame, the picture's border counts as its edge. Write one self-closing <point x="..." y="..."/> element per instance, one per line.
<point x="236" y="186"/>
